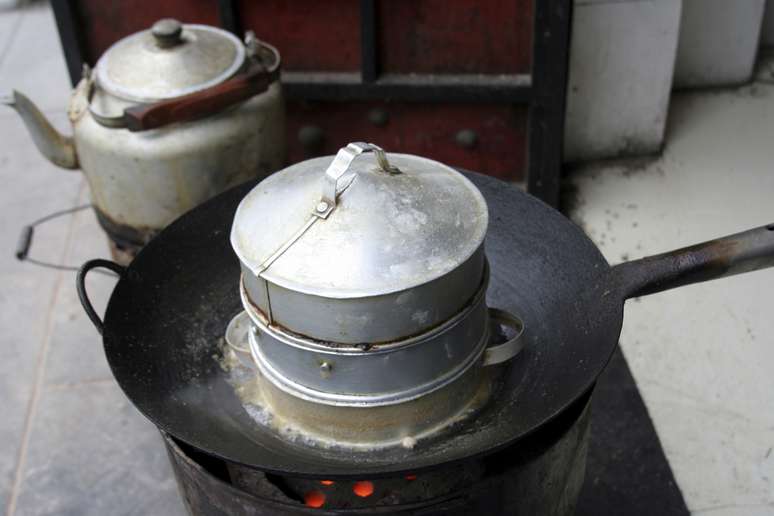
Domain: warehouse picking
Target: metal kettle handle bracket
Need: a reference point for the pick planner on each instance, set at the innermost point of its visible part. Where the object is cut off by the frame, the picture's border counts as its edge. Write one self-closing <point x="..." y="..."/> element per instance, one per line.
<point x="511" y="347"/>
<point x="339" y="166"/>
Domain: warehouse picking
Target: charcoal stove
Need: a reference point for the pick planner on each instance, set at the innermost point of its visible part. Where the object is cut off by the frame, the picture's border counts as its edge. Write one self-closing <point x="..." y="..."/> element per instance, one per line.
<point x="374" y="376"/>
<point x="542" y="475"/>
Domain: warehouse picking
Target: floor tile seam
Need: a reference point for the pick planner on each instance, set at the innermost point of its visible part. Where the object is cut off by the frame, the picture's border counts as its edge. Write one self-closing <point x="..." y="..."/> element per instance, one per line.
<point x="14" y="32"/>
<point x="712" y="508"/>
<point x="40" y="369"/>
<point x="48" y="111"/>
<point x="64" y="386"/>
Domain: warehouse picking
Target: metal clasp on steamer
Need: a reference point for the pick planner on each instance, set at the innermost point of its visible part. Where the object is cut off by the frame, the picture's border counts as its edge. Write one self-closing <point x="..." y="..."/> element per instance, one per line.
<point x="332" y="189"/>
<point x="340" y="165"/>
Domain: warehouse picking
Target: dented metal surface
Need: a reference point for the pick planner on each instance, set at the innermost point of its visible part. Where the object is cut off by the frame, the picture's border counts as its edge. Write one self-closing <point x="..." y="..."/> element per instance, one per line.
<point x="348" y="414"/>
<point x="373" y="318"/>
<point x="368" y="428"/>
<point x="124" y="241"/>
<point x="389" y="232"/>
<point x="140" y="182"/>
<point x="400" y="253"/>
<point x="148" y="179"/>
<point x="377" y="373"/>
<point x="123" y="235"/>
<point x="137" y="67"/>
<point x="383" y="255"/>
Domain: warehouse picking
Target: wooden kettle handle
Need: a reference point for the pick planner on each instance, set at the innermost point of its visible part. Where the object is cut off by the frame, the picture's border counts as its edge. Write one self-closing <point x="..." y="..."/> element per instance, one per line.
<point x="200" y="104"/>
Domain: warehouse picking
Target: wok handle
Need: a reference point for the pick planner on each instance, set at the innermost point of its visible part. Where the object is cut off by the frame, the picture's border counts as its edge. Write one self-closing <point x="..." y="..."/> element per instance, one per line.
<point x="734" y="254"/>
<point x="80" y="286"/>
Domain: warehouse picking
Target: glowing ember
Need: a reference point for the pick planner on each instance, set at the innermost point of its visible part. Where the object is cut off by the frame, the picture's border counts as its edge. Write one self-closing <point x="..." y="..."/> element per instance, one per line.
<point x="363" y="488"/>
<point x="314" y="499"/>
<point x="411" y="477"/>
<point x="327" y="482"/>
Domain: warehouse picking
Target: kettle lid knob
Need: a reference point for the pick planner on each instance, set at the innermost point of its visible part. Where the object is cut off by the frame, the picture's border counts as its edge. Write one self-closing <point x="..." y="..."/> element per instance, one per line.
<point x="167" y="32"/>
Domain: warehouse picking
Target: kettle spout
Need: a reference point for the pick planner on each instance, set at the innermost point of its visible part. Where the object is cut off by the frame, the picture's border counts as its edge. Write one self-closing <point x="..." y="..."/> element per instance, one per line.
<point x="58" y="148"/>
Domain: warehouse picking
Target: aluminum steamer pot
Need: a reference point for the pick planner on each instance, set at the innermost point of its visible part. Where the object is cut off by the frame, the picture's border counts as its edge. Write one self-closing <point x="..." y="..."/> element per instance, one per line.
<point x="168" y="118"/>
<point x="364" y="277"/>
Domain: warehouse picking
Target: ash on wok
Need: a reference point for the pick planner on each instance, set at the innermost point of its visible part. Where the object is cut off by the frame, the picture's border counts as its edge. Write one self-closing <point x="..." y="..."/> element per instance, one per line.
<point x="246" y="384"/>
<point x="247" y="381"/>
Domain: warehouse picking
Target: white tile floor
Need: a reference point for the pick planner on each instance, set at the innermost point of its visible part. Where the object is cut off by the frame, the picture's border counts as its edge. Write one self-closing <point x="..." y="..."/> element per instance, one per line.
<point x="70" y="443"/>
<point x="703" y="355"/>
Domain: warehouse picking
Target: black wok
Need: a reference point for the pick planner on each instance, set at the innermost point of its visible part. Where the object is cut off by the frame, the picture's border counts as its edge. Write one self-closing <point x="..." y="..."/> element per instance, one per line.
<point x="170" y="307"/>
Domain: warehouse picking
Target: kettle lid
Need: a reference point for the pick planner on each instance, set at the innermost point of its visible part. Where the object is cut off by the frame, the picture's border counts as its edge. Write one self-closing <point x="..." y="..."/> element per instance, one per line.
<point x="169" y="60"/>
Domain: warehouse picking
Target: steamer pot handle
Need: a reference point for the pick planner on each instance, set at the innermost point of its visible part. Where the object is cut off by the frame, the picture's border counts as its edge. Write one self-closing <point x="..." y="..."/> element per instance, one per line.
<point x="510" y="348"/>
<point x="236" y="332"/>
<point x="80" y="286"/>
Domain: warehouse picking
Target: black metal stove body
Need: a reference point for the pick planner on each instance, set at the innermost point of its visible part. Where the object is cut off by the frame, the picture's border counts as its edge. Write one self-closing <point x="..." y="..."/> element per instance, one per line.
<point x="543" y="474"/>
